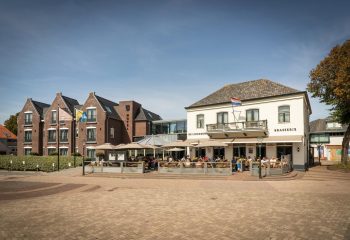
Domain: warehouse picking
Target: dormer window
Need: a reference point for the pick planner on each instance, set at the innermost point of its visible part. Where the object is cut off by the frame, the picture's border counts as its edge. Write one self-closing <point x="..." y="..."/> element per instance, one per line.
<point x="108" y="109"/>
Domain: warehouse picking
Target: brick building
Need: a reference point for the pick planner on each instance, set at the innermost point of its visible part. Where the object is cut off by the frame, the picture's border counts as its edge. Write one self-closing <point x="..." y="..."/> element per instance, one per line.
<point x="107" y="122"/>
<point x="50" y="136"/>
<point x="30" y="128"/>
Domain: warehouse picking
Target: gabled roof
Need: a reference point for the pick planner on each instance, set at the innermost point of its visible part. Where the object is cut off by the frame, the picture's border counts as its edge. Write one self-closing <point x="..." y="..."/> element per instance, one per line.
<point x="39" y="106"/>
<point x="70" y="102"/>
<point x="109" y="107"/>
<point x="320" y="126"/>
<point x="250" y="90"/>
<point x="6" y="134"/>
<point x="145" y="115"/>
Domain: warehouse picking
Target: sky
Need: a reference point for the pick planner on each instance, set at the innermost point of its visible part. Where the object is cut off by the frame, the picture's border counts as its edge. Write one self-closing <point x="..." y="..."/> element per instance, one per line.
<point x="163" y="54"/>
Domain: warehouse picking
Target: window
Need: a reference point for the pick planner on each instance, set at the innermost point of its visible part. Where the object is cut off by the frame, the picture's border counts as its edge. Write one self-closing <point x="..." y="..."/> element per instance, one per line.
<point x="51" y="151"/>
<point x="91" y="115"/>
<point x="63" y="151"/>
<point x="91" y="134"/>
<point x="108" y="109"/>
<point x="27" y="151"/>
<point x="283" y="114"/>
<point x="111" y="132"/>
<point x="64" y="135"/>
<point x="54" y="117"/>
<point x="51" y="135"/>
<point x="28" y="118"/>
<point x="252" y="115"/>
<point x="27" y="136"/>
<point x="222" y="118"/>
<point x="91" y="153"/>
<point x="200" y="121"/>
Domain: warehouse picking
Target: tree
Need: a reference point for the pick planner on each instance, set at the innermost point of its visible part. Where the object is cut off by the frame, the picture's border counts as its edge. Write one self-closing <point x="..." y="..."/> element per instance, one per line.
<point x="11" y="123"/>
<point x="330" y="81"/>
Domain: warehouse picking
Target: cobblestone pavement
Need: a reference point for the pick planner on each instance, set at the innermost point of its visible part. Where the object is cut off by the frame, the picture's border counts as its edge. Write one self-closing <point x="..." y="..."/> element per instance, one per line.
<point x="117" y="208"/>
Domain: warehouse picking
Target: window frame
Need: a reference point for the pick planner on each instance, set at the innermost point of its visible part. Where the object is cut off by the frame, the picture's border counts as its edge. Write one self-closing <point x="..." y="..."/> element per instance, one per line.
<point x="53" y="116"/>
<point x="284" y="114"/>
<point x="25" y="136"/>
<point x="93" y="117"/>
<point x="222" y="117"/>
<point x="48" y="136"/>
<point x="252" y="109"/>
<point x="197" y="121"/>
<point x="29" y="118"/>
<point x="87" y="134"/>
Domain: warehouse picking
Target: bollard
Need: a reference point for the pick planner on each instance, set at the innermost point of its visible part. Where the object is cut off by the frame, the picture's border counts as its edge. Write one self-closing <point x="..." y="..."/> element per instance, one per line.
<point x="37" y="167"/>
<point x="24" y="167"/>
<point x="10" y="167"/>
<point x="69" y="164"/>
<point x="53" y="167"/>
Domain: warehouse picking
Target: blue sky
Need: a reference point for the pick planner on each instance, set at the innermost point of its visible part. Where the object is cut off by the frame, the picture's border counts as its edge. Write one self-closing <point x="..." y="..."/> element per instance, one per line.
<point x="163" y="54"/>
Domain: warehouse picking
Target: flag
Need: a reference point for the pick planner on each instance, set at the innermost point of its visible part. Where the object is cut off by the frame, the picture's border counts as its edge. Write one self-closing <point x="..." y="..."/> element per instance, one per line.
<point x="235" y="102"/>
<point x="64" y="116"/>
<point x="78" y="115"/>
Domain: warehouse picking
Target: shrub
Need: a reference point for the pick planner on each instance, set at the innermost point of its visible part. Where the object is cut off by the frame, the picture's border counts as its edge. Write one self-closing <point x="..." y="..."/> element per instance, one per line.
<point x="76" y="154"/>
<point x="34" y="154"/>
<point x="44" y="163"/>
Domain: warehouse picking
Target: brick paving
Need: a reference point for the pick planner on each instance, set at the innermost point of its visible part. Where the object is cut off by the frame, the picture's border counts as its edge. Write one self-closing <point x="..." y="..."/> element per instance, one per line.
<point x="142" y="208"/>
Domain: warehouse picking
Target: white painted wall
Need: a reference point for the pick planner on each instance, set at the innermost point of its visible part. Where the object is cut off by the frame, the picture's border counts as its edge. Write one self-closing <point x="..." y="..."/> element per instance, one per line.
<point x="268" y="110"/>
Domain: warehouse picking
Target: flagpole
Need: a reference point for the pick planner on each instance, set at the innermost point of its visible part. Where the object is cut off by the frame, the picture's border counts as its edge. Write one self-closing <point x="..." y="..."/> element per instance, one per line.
<point x="58" y="137"/>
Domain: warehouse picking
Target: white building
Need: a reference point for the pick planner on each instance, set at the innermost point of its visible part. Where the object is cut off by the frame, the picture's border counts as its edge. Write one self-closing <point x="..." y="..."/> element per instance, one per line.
<point x="273" y="120"/>
<point x="326" y="138"/>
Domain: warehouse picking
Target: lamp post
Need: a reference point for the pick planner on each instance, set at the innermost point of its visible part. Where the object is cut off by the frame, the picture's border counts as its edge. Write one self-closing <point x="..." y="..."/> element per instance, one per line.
<point x="83" y="159"/>
<point x="259" y="139"/>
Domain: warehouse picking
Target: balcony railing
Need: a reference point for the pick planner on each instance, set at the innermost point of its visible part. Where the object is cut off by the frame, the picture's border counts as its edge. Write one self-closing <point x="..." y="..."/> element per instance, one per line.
<point x="51" y="140"/>
<point x="237" y="126"/>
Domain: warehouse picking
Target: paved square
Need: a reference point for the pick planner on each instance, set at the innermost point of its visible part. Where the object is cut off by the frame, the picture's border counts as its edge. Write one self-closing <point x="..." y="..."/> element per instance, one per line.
<point x="68" y="206"/>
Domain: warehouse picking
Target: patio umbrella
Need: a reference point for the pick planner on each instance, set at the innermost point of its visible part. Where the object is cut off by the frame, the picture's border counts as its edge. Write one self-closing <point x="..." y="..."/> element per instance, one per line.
<point x="175" y="150"/>
<point x="106" y="146"/>
<point x="212" y="143"/>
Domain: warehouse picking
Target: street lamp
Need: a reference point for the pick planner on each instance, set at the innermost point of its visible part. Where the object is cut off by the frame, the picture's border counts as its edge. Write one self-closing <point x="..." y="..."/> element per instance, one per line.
<point x="259" y="139"/>
<point x="83" y="159"/>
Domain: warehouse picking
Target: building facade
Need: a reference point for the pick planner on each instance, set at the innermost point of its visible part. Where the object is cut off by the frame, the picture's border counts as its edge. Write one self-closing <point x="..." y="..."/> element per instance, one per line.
<point x="270" y="120"/>
<point x="106" y="122"/>
<point x="326" y="138"/>
<point x="61" y="106"/>
<point x="8" y="141"/>
<point x="30" y="128"/>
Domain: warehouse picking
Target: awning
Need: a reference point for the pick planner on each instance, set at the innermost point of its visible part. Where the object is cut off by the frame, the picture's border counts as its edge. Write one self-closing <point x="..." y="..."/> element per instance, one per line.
<point x="271" y="139"/>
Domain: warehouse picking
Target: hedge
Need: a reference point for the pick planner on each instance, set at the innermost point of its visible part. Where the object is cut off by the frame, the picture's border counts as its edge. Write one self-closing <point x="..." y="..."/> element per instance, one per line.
<point x="37" y="163"/>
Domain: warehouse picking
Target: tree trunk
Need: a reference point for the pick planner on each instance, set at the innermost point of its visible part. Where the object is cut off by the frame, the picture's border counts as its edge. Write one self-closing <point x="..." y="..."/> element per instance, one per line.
<point x="345" y="146"/>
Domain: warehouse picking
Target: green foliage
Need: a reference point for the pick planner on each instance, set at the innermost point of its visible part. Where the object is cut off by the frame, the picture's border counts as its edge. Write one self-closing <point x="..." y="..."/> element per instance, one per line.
<point x="76" y="154"/>
<point x="30" y="162"/>
<point x="11" y="123"/>
<point x="330" y="81"/>
<point x="34" y="154"/>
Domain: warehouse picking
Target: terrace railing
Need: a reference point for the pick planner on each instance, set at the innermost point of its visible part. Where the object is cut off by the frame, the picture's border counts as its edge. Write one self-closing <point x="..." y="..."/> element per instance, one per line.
<point x="234" y="126"/>
<point x="208" y="168"/>
<point x="114" y="167"/>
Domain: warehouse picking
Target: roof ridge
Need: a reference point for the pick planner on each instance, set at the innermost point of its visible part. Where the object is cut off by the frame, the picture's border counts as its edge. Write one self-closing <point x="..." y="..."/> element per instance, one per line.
<point x="114" y="103"/>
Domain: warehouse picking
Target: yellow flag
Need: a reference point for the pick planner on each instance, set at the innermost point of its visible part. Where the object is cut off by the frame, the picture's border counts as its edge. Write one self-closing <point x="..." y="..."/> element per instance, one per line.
<point x="78" y="115"/>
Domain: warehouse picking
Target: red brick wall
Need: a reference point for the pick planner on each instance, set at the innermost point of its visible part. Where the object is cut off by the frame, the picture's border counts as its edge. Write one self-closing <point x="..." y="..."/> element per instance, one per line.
<point x="128" y="116"/>
<point x="141" y="128"/>
<point x="36" y="130"/>
<point x="58" y="101"/>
